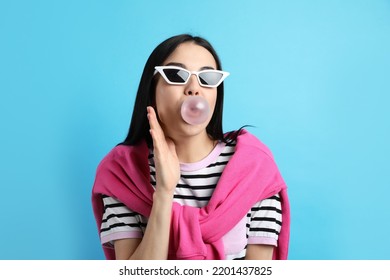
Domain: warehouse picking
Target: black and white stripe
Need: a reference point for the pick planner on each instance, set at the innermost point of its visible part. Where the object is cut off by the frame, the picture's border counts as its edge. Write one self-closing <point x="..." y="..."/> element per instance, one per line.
<point x="266" y="218"/>
<point x="195" y="188"/>
<point x="117" y="217"/>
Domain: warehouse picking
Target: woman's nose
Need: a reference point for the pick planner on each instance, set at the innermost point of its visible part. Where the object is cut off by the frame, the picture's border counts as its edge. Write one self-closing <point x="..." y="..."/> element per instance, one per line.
<point x="192" y="87"/>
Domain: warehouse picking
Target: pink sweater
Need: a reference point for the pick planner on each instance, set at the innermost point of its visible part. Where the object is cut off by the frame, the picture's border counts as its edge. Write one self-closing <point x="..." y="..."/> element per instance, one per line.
<point x="251" y="175"/>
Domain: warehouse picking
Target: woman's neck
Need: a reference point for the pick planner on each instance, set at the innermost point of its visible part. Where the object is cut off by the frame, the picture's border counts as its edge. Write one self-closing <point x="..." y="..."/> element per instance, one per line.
<point x="194" y="148"/>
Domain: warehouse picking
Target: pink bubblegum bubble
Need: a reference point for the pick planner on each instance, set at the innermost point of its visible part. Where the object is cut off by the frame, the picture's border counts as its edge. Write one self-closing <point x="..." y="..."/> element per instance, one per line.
<point x="195" y="110"/>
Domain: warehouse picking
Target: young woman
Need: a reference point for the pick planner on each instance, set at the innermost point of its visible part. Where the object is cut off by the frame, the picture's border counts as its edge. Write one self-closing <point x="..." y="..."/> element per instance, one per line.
<point x="180" y="190"/>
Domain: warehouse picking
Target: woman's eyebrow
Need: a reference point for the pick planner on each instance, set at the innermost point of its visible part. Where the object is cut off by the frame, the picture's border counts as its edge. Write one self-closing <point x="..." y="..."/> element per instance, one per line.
<point x="176" y="64"/>
<point x="207" y="67"/>
<point x="183" y="66"/>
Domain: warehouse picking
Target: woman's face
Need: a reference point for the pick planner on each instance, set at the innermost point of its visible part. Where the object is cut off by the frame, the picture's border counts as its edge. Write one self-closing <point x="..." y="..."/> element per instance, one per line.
<point x="169" y="98"/>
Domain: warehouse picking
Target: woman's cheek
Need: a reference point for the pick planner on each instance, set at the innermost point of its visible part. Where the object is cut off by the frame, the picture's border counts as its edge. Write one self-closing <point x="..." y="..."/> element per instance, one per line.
<point x="167" y="110"/>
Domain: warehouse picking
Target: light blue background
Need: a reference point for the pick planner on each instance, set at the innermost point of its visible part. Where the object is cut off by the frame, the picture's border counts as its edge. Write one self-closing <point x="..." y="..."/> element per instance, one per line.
<point x="312" y="76"/>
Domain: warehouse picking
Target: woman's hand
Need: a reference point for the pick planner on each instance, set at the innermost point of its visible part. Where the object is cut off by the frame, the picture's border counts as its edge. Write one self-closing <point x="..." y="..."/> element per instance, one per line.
<point x="155" y="241"/>
<point x="165" y="157"/>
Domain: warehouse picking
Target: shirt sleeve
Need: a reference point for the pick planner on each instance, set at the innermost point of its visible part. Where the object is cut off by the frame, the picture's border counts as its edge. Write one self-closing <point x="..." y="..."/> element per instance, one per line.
<point x="265" y="221"/>
<point x="119" y="222"/>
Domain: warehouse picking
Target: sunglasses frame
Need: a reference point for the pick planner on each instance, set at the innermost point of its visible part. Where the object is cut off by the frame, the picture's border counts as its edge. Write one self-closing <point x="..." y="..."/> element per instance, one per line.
<point x="160" y="69"/>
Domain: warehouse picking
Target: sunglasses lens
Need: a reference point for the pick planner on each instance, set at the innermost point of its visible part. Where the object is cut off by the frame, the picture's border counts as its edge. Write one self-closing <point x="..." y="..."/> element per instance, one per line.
<point x="210" y="78"/>
<point x="176" y="75"/>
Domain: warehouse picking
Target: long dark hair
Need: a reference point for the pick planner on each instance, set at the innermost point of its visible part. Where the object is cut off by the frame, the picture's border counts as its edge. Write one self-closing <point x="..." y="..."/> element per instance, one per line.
<point x="139" y="126"/>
